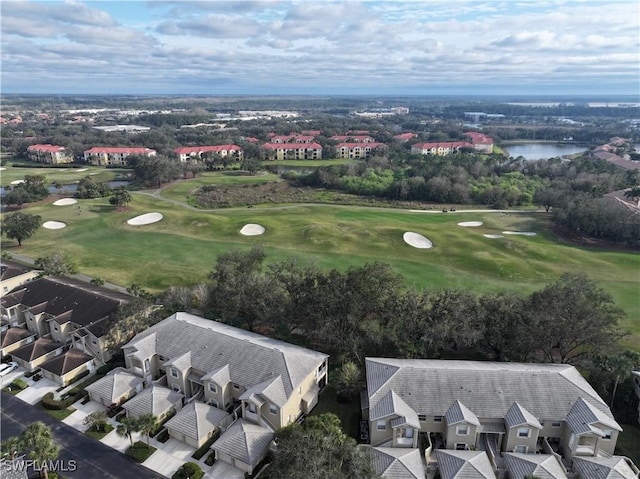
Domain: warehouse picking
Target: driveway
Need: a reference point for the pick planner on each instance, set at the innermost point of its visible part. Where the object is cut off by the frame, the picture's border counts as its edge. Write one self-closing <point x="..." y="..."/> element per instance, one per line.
<point x="33" y="394"/>
<point x="76" y="419"/>
<point x="93" y="460"/>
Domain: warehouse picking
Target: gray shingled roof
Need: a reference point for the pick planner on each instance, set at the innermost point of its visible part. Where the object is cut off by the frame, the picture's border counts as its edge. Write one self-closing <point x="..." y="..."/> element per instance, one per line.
<point x="114" y="384"/>
<point x="397" y="462"/>
<point x="196" y="420"/>
<point x="220" y="376"/>
<point x="182" y="362"/>
<point x="614" y="467"/>
<point x="458" y="413"/>
<point x="519" y="416"/>
<point x="464" y="464"/>
<point x="155" y="400"/>
<point x="430" y="386"/>
<point x="583" y="417"/>
<point x="392" y="404"/>
<point x="252" y="358"/>
<point x="271" y="390"/>
<point x="245" y="441"/>
<point x="542" y="466"/>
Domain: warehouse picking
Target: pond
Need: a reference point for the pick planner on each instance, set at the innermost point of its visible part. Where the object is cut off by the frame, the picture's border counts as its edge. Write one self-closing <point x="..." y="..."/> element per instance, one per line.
<point x="543" y="151"/>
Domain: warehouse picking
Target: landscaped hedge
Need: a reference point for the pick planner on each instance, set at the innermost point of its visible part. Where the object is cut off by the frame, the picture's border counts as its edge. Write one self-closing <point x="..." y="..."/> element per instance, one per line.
<point x="140" y="452"/>
<point x="77" y="378"/>
<point x="189" y="470"/>
<point x="163" y="436"/>
<point x="206" y="446"/>
<point x="102" y="370"/>
<point x="49" y="403"/>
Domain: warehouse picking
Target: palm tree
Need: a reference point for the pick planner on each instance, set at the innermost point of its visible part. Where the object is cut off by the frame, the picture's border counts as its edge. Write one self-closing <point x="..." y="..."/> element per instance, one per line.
<point x="10" y="447"/>
<point x="127" y="427"/>
<point x="146" y="423"/>
<point x="39" y="438"/>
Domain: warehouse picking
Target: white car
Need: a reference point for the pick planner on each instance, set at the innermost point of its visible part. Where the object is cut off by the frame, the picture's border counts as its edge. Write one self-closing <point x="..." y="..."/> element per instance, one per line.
<point x="6" y="368"/>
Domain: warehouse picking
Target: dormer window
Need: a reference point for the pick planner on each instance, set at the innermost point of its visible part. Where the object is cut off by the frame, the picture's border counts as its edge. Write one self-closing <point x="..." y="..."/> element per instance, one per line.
<point x="213" y="388"/>
<point x="524" y="432"/>
<point x="174" y="373"/>
<point x="462" y="430"/>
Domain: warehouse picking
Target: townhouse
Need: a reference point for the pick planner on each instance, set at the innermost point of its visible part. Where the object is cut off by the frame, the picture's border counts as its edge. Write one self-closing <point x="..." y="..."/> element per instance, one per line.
<point x="226" y="373"/>
<point x="293" y="151"/>
<point x="59" y="314"/>
<point x="515" y="415"/>
<point x="440" y="149"/>
<point x="49" y="154"/>
<point x="362" y="150"/>
<point x="14" y="274"/>
<point x="114" y="156"/>
<point x="198" y="153"/>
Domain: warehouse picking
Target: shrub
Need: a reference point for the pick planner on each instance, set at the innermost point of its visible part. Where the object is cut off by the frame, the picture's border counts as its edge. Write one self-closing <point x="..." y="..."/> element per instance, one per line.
<point x="163" y="436"/>
<point x="206" y="446"/>
<point x="189" y="470"/>
<point x="211" y="459"/>
<point x="140" y="452"/>
<point x="102" y="370"/>
<point x="20" y="384"/>
<point x="77" y="378"/>
<point x="49" y="403"/>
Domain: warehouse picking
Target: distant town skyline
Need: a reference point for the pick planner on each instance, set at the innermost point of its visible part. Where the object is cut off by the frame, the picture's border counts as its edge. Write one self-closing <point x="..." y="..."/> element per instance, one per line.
<point x="254" y="47"/>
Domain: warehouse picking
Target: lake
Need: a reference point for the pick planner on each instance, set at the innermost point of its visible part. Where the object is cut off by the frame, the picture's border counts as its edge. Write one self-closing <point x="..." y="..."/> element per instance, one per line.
<point x="543" y="151"/>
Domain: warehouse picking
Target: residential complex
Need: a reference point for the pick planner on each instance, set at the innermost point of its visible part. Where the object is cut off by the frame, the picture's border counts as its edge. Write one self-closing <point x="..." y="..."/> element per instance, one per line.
<point x="358" y="150"/>
<point x="198" y="153"/>
<point x="293" y="151"/>
<point x="114" y="156"/>
<point x="49" y="154"/>
<point x="488" y="417"/>
<point x="440" y="149"/>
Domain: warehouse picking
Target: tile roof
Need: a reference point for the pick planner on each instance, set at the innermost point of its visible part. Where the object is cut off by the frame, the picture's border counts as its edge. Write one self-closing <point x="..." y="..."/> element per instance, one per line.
<point x="519" y="416"/>
<point x="392" y="404"/>
<point x="220" y="376"/>
<point x="542" y="466"/>
<point x="187" y="150"/>
<point x="9" y="269"/>
<point x="85" y="304"/>
<point x="614" y="467"/>
<point x="154" y="400"/>
<point x="252" y="358"/>
<point x="353" y="138"/>
<point x="584" y="417"/>
<point x="271" y="389"/>
<point x="182" y="362"/>
<point x="489" y="389"/>
<point x="115" y="384"/>
<point x="245" y="441"/>
<point x="479" y="138"/>
<point x="36" y="349"/>
<point x="458" y="413"/>
<point x="405" y="136"/>
<point x="196" y="420"/>
<point x="397" y="462"/>
<point x="119" y="150"/>
<point x="13" y="335"/>
<point x="292" y="146"/>
<point x="464" y="464"/>
<point x="47" y="148"/>
<point x="66" y="362"/>
<point x="446" y="144"/>
<point x="370" y="145"/>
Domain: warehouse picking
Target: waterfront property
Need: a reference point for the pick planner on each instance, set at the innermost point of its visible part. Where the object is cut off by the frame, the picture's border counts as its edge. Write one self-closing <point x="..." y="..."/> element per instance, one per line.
<point x="114" y="156"/>
<point x="49" y="154"/>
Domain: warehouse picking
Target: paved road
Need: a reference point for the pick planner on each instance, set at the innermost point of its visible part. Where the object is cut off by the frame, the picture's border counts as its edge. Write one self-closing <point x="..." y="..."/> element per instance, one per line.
<point x="93" y="459"/>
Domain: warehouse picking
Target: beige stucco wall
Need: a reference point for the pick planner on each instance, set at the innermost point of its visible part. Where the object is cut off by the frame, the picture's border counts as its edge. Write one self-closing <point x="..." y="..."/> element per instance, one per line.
<point x="512" y="440"/>
<point x="452" y="437"/>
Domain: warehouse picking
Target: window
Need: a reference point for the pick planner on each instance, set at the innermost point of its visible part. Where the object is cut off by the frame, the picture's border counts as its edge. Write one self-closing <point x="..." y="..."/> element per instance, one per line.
<point x="437" y="418"/>
<point x="523" y="432"/>
<point x="408" y="433"/>
<point x="556" y="424"/>
<point x="382" y="425"/>
<point x="422" y="417"/>
<point x="462" y="430"/>
<point x="521" y="449"/>
<point x="213" y="388"/>
<point x="174" y="373"/>
<point x="273" y="409"/>
<point x="607" y="434"/>
<point x="235" y="386"/>
<point x="252" y="408"/>
<point x="175" y="387"/>
<point x="461" y="446"/>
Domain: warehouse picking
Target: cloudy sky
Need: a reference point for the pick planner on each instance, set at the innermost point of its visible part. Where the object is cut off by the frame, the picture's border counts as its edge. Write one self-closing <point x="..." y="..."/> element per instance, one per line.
<point x="417" y="47"/>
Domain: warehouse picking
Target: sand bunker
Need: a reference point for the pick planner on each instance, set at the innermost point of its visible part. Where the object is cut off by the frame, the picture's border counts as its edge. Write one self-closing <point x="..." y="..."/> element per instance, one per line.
<point x="54" y="225"/>
<point x="17" y="182"/>
<point x="2" y="168"/>
<point x="521" y="233"/>
<point x="493" y="236"/>
<point x="82" y="169"/>
<point x="145" y="219"/>
<point x="252" y="230"/>
<point x="65" y="202"/>
<point x="470" y="223"/>
<point x="417" y="240"/>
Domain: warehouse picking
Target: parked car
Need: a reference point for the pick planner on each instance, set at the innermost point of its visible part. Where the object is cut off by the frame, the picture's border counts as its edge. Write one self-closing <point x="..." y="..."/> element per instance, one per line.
<point x="6" y="368"/>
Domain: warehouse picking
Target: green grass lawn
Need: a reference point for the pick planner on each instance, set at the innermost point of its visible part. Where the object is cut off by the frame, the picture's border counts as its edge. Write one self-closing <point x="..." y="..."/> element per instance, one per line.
<point x="140" y="452"/>
<point x="181" y="249"/>
<point x="62" y="175"/>
<point x="629" y="442"/>
<point x="59" y="414"/>
<point x="97" y="435"/>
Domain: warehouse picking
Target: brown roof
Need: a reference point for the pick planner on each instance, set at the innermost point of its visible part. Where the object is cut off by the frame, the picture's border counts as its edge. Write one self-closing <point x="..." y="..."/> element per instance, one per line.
<point x="66" y="362"/>
<point x="9" y="269"/>
<point x="13" y="335"/>
<point x="36" y="349"/>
